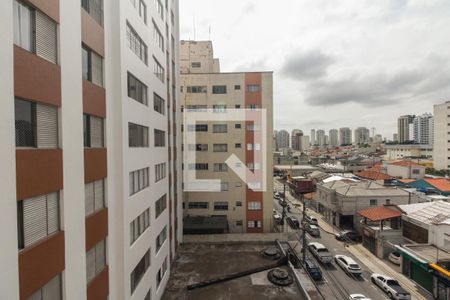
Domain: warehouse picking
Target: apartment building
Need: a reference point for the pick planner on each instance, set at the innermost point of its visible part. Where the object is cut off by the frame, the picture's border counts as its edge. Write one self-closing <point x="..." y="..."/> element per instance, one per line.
<point x="362" y="135"/>
<point x="296" y="139"/>
<point x="345" y="136"/>
<point x="405" y="128"/>
<point x="236" y="207"/>
<point x="321" y="138"/>
<point x="423" y="129"/>
<point x="333" y="138"/>
<point x="90" y="181"/>
<point x="282" y="139"/>
<point x="441" y="148"/>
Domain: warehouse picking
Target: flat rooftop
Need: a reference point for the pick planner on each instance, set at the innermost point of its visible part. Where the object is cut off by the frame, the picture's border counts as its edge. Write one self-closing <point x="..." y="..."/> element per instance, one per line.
<point x="429" y="252"/>
<point x="202" y="261"/>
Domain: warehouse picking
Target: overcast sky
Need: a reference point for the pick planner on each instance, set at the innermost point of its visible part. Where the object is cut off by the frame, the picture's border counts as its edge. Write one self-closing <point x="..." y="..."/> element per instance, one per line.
<point x="336" y="63"/>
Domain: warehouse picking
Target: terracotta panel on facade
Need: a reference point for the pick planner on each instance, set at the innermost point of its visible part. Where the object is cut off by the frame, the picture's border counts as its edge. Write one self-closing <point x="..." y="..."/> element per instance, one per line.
<point x="98" y="288"/>
<point x="36" y="78"/>
<point x="40" y="263"/>
<point x="38" y="172"/>
<point x="49" y="7"/>
<point x="92" y="34"/>
<point x="94" y="164"/>
<point x="94" y="99"/>
<point x="96" y="228"/>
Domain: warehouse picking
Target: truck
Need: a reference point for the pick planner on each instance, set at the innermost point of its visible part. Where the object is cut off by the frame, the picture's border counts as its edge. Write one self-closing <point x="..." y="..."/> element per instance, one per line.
<point x="320" y="252"/>
<point x="390" y="286"/>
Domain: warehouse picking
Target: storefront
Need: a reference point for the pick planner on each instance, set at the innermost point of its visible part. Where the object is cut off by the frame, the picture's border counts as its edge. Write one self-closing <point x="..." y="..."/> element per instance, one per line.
<point x="441" y="282"/>
<point x="417" y="269"/>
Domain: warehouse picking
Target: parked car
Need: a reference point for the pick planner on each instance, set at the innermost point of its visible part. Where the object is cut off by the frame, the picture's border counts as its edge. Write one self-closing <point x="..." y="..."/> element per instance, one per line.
<point x="358" y="297"/>
<point x="313" y="269"/>
<point x="320" y="252"/>
<point x="348" y="264"/>
<point x="293" y="222"/>
<point x="277" y="218"/>
<point x="395" y="258"/>
<point x="277" y="196"/>
<point x="313" y="230"/>
<point x="347" y="235"/>
<point x="311" y="220"/>
<point x="390" y="286"/>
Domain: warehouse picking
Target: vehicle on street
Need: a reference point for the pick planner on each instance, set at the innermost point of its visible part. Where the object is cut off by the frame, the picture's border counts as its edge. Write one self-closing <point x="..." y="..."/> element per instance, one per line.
<point x="348" y="264"/>
<point x="358" y="297"/>
<point x="313" y="230"/>
<point x="313" y="269"/>
<point x="395" y="258"/>
<point x="277" y="218"/>
<point x="311" y="220"/>
<point x="277" y="196"/>
<point x="293" y="222"/>
<point x="347" y="235"/>
<point x="390" y="286"/>
<point x="320" y="252"/>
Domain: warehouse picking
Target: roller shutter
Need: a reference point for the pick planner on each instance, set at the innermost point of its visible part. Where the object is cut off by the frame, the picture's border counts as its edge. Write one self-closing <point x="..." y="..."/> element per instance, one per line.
<point x="97" y="69"/>
<point x="47" y="126"/>
<point x="34" y="219"/>
<point x="89" y="198"/>
<point x="90" y="264"/>
<point x="99" y="195"/>
<point x="100" y="260"/>
<point x="52" y="213"/>
<point x="96" y="132"/>
<point x="46" y="37"/>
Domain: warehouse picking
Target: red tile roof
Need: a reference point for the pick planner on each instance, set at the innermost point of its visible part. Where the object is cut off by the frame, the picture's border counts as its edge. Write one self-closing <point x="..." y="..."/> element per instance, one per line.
<point x="379" y="213"/>
<point x="406" y="163"/>
<point x="441" y="184"/>
<point x="373" y="175"/>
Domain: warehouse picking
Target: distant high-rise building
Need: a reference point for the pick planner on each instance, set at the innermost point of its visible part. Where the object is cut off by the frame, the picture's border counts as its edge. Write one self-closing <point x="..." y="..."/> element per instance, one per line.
<point x="313" y="137"/>
<point x="321" y="138"/>
<point x="362" y="135"/>
<point x="404" y="126"/>
<point x="423" y="129"/>
<point x="304" y="145"/>
<point x="395" y="137"/>
<point x="377" y="139"/>
<point x="441" y="144"/>
<point x="274" y="141"/>
<point x="334" y="138"/>
<point x="282" y="139"/>
<point x="296" y="135"/>
<point x="345" y="136"/>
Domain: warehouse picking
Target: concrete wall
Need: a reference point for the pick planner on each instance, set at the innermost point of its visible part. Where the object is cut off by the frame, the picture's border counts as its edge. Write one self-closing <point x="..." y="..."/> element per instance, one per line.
<point x="440" y="153"/>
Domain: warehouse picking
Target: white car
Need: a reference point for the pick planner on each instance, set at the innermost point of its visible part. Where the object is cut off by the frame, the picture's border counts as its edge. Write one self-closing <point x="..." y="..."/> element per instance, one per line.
<point x="320" y="252"/>
<point x="358" y="297"/>
<point x="395" y="258"/>
<point x="348" y="264"/>
<point x="390" y="286"/>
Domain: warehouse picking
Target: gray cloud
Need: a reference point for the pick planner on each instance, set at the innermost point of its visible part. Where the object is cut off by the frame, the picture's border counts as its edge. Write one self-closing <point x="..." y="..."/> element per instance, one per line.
<point x="306" y="65"/>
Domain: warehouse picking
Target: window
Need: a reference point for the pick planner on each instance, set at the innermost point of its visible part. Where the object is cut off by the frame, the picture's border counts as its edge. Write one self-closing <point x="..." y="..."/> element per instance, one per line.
<point x="36" y="124"/>
<point x="196" y="65"/>
<point x="220" y="167"/>
<point x="220" y="147"/>
<point x="256" y="147"/>
<point x="239" y="223"/>
<point x="161" y="238"/>
<point x="159" y="38"/>
<point x="92" y="66"/>
<point x="138" y="180"/>
<point x="238" y="184"/>
<point x="237" y="126"/>
<point x="220" y="205"/>
<point x="159" y="104"/>
<point x="219" y="89"/>
<point x="373" y="202"/>
<point x="137" y="90"/>
<point x="237" y="87"/>
<point x="35" y="32"/>
<point x="253" y="127"/>
<point x="159" y="8"/>
<point x="254" y="205"/>
<point x="254" y="185"/>
<point x="196" y="108"/>
<point x="136" y="44"/>
<point x="198" y="205"/>
<point x="94" y="8"/>
<point x="160" y="206"/>
<point x="219" y="108"/>
<point x="137" y="135"/>
<point x="237" y="106"/>
<point x="224" y="186"/>
<point x="141" y="8"/>
<point x="196" y="89"/>
<point x="95" y="260"/>
<point x="198" y="147"/>
<point x="92" y="132"/>
<point x="416" y="171"/>
<point x="160" y="171"/>
<point x="220" y="128"/>
<point x="160" y="140"/>
<point x="51" y="290"/>
<point x="139" y="271"/>
<point x="254" y="224"/>
<point x="198" y="166"/>
<point x="239" y="203"/>
<point x="161" y="272"/>
<point x="253" y="88"/>
<point x="139" y="225"/>
<point x="37" y="218"/>
<point x="94" y="196"/>
<point x="158" y="70"/>
<point x="238" y="145"/>
<point x="198" y="128"/>
<point x="253" y="106"/>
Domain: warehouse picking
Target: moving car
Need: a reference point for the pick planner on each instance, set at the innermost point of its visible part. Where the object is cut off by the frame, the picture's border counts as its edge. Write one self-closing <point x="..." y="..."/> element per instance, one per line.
<point x="311" y="220"/>
<point x="395" y="258"/>
<point x="293" y="222"/>
<point x="313" y="269"/>
<point x="348" y="264"/>
<point x="347" y="235"/>
<point x="390" y="286"/>
<point x="313" y="230"/>
<point x="358" y="297"/>
<point x="320" y="252"/>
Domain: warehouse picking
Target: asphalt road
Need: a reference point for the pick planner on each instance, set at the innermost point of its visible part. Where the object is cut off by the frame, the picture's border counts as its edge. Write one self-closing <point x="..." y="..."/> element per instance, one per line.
<point x="337" y="282"/>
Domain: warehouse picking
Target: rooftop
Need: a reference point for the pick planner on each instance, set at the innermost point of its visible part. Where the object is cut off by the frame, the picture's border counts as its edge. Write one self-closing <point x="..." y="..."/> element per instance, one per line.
<point x="435" y="213"/>
<point x="406" y="163"/>
<point x="364" y="188"/>
<point x="429" y="252"/>
<point x="379" y="213"/>
<point x="374" y="175"/>
<point x="441" y="184"/>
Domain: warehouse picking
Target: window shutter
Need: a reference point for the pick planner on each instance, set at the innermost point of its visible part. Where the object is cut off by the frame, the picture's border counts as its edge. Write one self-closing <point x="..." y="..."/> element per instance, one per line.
<point x="46" y="37"/>
<point x="97" y="69"/>
<point x="99" y="195"/>
<point x="96" y="132"/>
<point x="34" y="219"/>
<point x="90" y="264"/>
<point x="100" y="260"/>
<point x="47" y="126"/>
<point x="89" y="198"/>
<point x="52" y="290"/>
<point x="52" y="213"/>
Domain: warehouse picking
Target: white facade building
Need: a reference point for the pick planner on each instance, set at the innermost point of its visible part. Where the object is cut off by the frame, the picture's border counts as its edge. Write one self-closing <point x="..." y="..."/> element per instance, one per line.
<point x="345" y="136"/>
<point x="282" y="139"/>
<point x="333" y="138"/>
<point x="441" y="153"/>
<point x="404" y="128"/>
<point x="321" y="140"/>
<point x="424" y="129"/>
<point x="362" y="135"/>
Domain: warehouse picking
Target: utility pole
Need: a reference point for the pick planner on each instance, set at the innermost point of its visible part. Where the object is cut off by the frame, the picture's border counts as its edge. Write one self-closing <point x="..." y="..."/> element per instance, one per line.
<point x="283" y="205"/>
<point x="302" y="197"/>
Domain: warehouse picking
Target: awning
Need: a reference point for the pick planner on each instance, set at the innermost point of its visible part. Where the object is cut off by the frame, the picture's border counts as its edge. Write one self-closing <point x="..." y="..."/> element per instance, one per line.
<point x="379" y="213"/>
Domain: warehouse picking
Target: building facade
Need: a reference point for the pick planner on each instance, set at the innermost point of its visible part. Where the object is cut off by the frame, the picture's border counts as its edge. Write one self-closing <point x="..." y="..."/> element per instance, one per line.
<point x="362" y="135"/>
<point x="424" y="129"/>
<point x="345" y="136"/>
<point x="313" y="137"/>
<point x="305" y="142"/>
<point x="243" y="209"/>
<point x="296" y="139"/>
<point x="92" y="199"/>
<point x="321" y="138"/>
<point x="441" y="152"/>
<point x="282" y="139"/>
<point x="404" y="128"/>
<point x="333" y="138"/>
